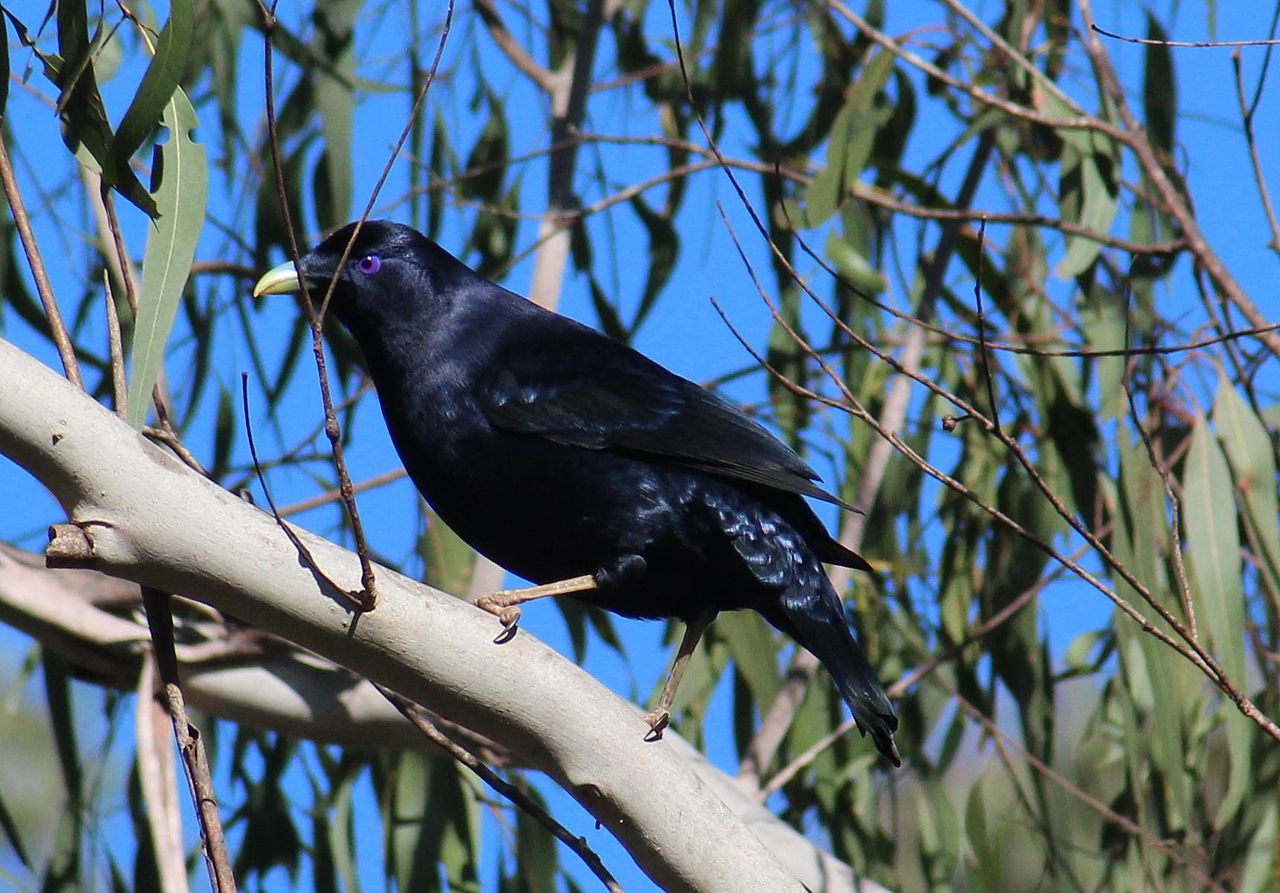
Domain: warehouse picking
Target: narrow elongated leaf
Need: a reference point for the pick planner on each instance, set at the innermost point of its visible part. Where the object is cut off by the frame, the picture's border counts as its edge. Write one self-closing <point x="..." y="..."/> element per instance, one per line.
<point x="335" y="103"/>
<point x="164" y="72"/>
<point x="1159" y="87"/>
<point x="1214" y="547"/>
<point x="1157" y="680"/>
<point x="1248" y="447"/>
<point x="4" y="66"/>
<point x="849" y="147"/>
<point x="86" y="130"/>
<point x="1214" y="553"/>
<point x="754" y="651"/>
<point x="447" y="560"/>
<point x="171" y="246"/>
<point x="1259" y="864"/>
<point x="1089" y="196"/>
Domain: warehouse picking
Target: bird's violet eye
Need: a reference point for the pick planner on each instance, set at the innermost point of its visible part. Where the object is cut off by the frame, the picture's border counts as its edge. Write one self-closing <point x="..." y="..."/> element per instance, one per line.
<point x="369" y="264"/>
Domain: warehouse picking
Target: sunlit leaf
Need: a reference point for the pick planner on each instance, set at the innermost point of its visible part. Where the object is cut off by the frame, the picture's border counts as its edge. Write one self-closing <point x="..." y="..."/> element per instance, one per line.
<point x="1253" y="461"/>
<point x="182" y="172"/>
<point x="155" y="91"/>
<point x="1089" y="197"/>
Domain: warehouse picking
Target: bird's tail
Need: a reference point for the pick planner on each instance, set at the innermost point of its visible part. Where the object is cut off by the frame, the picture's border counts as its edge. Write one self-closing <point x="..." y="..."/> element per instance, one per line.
<point x="817" y="622"/>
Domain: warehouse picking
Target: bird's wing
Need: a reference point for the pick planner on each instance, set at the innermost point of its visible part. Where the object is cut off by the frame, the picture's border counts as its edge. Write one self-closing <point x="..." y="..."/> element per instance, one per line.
<point x="578" y="387"/>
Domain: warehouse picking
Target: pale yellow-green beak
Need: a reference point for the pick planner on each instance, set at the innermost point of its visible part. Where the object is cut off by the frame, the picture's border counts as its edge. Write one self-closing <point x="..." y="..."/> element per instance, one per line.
<point x="281" y="280"/>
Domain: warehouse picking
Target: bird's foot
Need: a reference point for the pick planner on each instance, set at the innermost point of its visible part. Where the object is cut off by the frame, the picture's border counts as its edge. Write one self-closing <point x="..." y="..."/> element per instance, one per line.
<point x="503" y="603"/>
<point x="657" y="719"/>
<point x="497" y="604"/>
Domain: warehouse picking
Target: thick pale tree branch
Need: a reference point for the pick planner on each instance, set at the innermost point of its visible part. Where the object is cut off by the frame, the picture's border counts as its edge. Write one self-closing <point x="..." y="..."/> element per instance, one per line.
<point x="301" y="694"/>
<point x="139" y="514"/>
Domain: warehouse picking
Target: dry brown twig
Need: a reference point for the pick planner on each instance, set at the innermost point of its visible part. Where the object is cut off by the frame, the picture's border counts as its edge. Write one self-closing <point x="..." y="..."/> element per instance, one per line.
<point x="416" y="715"/>
<point x="57" y="328"/>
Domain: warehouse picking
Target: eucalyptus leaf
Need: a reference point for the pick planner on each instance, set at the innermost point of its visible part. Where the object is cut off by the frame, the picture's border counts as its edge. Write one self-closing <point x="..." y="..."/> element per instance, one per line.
<point x="180" y="197"/>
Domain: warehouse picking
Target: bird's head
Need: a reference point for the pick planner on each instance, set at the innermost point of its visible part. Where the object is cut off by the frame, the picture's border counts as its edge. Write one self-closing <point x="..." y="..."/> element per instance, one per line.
<point x="392" y="273"/>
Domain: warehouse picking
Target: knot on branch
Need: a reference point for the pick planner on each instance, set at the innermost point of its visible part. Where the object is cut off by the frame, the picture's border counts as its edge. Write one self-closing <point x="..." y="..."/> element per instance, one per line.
<point x="70" y="545"/>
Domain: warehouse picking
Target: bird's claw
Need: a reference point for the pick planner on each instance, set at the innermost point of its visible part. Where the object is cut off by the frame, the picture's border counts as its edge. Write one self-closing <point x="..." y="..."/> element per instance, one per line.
<point x="508" y="615"/>
<point x="657" y="720"/>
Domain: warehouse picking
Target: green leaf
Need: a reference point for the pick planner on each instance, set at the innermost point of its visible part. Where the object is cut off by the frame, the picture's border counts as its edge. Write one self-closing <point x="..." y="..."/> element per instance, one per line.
<point x="86" y="130"/>
<point x="854" y="268"/>
<point x="163" y="74"/>
<point x="1248" y="448"/>
<point x="1159" y="87"/>
<point x="12" y="835"/>
<point x="537" y="861"/>
<point x="1088" y="194"/>
<point x="1214" y="558"/>
<point x="754" y="650"/>
<point x="489" y="156"/>
<point x="335" y="102"/>
<point x="664" y="248"/>
<point x="1209" y="518"/>
<point x="430" y="820"/>
<point x="1259" y="863"/>
<point x="4" y="66"/>
<point x="448" y="560"/>
<point x="1102" y="320"/>
<point x="63" y="869"/>
<point x="180" y="197"/>
<point x="849" y="147"/>
<point x="1162" y="686"/>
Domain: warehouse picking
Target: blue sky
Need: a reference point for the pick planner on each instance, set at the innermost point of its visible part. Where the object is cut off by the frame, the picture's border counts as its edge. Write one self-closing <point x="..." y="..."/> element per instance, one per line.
<point x="684" y="333"/>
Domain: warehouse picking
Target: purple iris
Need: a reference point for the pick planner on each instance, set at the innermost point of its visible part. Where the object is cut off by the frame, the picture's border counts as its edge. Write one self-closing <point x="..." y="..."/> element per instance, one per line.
<point x="369" y="264"/>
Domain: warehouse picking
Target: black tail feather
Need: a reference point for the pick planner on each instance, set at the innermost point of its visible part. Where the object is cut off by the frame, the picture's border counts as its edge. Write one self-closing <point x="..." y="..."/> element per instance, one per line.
<point x="818" y="624"/>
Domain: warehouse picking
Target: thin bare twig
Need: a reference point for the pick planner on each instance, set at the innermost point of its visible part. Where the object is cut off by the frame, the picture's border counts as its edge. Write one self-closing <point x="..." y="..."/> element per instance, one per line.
<point x="195" y="762"/>
<point x="1251" y="141"/>
<point x="985" y="360"/>
<point x="1186" y="44"/>
<point x="328" y="496"/>
<point x="1136" y="137"/>
<point x="57" y="328"/>
<point x="1012" y="109"/>
<point x="578" y="845"/>
<point x="351" y="598"/>
<point x="515" y="52"/>
<point x="1123" y="822"/>
<point x="115" y="350"/>
<point x="1175" y="537"/>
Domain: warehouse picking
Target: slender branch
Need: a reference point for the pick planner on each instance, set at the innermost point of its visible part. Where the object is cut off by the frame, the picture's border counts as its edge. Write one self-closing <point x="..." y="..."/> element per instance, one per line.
<point x="378" y="480"/>
<point x="1123" y="822"/>
<point x="578" y="845"/>
<point x="115" y="350"/>
<point x="1012" y="109"/>
<point x="195" y="761"/>
<point x="1136" y="138"/>
<point x="57" y="328"/>
<point x="1251" y="140"/>
<point x="515" y="52"/>
<point x="883" y="199"/>
<point x="157" y="779"/>
<point x="1187" y="44"/>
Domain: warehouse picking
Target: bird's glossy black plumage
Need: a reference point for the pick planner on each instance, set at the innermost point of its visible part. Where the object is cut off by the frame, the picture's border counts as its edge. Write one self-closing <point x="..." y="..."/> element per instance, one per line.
<point x="557" y="452"/>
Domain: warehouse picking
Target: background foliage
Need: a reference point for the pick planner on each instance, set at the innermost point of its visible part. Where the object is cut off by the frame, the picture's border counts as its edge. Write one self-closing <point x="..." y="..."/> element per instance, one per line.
<point x="999" y="307"/>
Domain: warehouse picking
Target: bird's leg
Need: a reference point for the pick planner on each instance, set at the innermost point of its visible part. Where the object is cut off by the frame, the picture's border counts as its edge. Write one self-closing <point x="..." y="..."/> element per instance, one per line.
<point x="660" y="716"/>
<point x="504" y="604"/>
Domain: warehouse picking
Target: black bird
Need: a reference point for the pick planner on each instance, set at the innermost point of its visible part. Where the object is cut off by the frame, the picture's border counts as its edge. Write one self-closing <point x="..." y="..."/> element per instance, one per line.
<point x="573" y="461"/>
